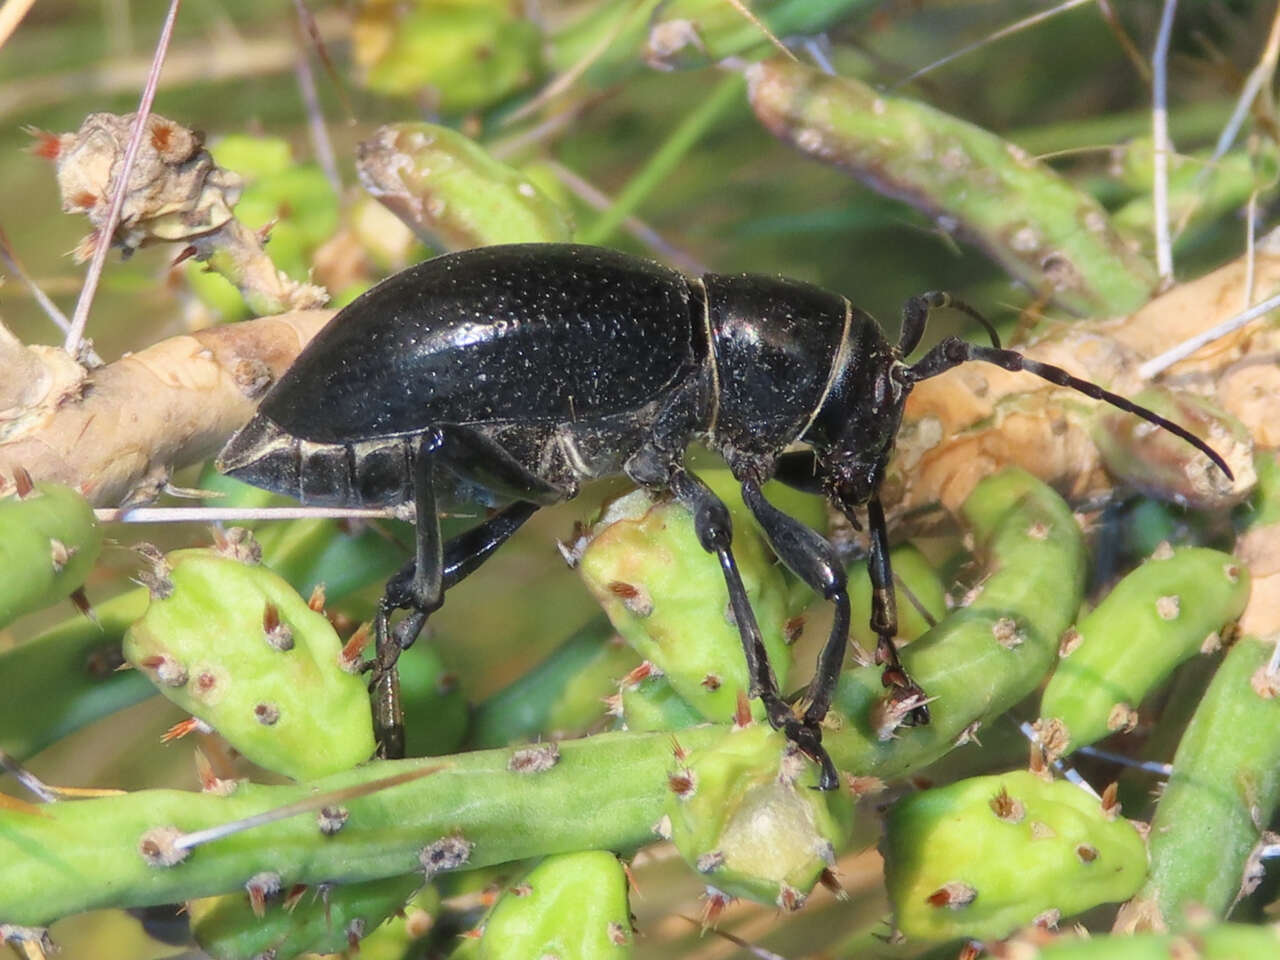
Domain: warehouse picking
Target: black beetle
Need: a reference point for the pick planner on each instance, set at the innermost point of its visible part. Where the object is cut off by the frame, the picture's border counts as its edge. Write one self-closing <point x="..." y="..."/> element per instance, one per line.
<point x="509" y="375"/>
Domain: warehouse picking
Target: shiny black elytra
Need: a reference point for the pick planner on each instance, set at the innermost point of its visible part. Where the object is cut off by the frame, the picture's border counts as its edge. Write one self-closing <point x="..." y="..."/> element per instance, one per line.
<point x="509" y="375"/>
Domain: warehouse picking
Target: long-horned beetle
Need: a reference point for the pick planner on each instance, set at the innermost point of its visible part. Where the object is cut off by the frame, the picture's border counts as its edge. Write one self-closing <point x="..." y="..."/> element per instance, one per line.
<point x="509" y="375"/>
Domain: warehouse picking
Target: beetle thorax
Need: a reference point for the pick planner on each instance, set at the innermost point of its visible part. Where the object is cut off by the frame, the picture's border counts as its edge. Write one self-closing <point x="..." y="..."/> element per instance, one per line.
<point x="774" y="344"/>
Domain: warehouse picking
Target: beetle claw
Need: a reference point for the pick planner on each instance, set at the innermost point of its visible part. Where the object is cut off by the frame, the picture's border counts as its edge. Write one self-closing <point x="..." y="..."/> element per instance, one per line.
<point x="807" y="738"/>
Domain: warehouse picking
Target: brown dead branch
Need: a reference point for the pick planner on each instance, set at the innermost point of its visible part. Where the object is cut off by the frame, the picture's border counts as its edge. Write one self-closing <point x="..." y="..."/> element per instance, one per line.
<point x="976" y="419"/>
<point x="118" y="432"/>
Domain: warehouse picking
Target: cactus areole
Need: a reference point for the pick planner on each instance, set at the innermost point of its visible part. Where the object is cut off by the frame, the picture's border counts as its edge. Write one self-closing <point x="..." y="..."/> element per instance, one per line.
<point x="509" y="375"/>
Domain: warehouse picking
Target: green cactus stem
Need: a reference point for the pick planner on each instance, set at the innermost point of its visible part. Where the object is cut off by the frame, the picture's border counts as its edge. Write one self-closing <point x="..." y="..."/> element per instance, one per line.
<point x="572" y="906"/>
<point x="744" y="812"/>
<point x="397" y="937"/>
<point x="1032" y="221"/>
<point x="69" y="677"/>
<point x="282" y="925"/>
<point x="452" y="193"/>
<point x="436" y="716"/>
<point x="290" y="204"/>
<point x="561" y="696"/>
<point x="1171" y="608"/>
<point x="602" y="793"/>
<point x="984" y="856"/>
<point x="233" y="644"/>
<point x="1198" y="194"/>
<point x="1223" y="791"/>
<point x="50" y="542"/>
<point x="647" y="701"/>
<point x="308" y="553"/>
<point x="988" y="654"/>
<point x="667" y="597"/>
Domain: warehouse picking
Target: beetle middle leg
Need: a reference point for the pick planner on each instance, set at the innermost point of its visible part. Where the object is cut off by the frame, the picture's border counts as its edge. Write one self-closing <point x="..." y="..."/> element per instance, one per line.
<point x="802" y="471"/>
<point x="811" y="558"/>
<point x="714" y="529"/>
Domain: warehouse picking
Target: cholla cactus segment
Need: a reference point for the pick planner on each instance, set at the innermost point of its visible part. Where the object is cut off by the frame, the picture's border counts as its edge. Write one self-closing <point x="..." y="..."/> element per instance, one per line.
<point x="744" y="814"/>
<point x="984" y="856"/>
<point x="49" y="544"/>
<point x="617" y="38"/>
<point x="1201" y="188"/>
<point x="289" y="205"/>
<point x="1154" y="619"/>
<point x="213" y="640"/>
<point x="562" y="696"/>
<point x="436" y="715"/>
<point x="649" y="702"/>
<point x="310" y="552"/>
<point x="329" y="918"/>
<point x="175" y="190"/>
<point x="1034" y="222"/>
<point x="1223" y="791"/>
<point x="667" y="597"/>
<point x="452" y="193"/>
<point x="572" y="906"/>
<point x="601" y="793"/>
<point x="988" y="654"/>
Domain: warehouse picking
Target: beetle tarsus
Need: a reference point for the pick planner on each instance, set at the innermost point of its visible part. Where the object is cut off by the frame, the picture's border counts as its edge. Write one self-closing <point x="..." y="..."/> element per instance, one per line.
<point x="808" y="740"/>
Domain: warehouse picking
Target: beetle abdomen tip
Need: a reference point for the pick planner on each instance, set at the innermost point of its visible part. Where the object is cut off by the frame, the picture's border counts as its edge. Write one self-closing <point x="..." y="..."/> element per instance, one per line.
<point x="262" y="454"/>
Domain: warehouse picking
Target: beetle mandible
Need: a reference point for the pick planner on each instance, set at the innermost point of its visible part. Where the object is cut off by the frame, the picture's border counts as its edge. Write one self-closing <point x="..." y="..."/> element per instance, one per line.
<point x="509" y="375"/>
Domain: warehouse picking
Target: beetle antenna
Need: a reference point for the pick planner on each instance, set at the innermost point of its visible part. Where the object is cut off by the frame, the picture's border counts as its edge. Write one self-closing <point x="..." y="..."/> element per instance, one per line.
<point x="915" y="315"/>
<point x="953" y="351"/>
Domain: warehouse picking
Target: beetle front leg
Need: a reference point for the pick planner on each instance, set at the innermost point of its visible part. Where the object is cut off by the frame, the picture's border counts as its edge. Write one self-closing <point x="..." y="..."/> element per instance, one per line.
<point x="811" y="558"/>
<point x="884" y="619"/>
<point x="714" y="529"/>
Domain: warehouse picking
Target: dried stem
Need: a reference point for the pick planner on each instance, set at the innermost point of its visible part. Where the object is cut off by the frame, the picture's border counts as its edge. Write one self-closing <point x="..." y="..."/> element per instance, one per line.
<point x="94" y="273"/>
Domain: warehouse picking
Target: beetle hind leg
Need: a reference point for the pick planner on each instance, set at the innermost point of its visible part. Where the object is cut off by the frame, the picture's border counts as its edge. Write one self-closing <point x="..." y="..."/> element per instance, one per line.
<point x="462" y="555"/>
<point x="419" y="589"/>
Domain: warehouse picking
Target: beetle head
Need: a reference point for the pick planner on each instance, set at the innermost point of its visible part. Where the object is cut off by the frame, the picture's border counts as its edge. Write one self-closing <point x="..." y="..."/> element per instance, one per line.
<point x="854" y="433"/>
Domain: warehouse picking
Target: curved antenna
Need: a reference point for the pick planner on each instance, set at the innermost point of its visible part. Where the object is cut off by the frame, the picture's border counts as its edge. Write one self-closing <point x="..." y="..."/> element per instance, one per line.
<point x="915" y="316"/>
<point x="953" y="351"/>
